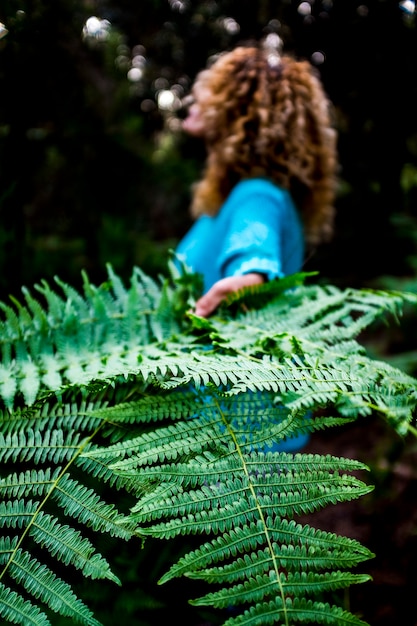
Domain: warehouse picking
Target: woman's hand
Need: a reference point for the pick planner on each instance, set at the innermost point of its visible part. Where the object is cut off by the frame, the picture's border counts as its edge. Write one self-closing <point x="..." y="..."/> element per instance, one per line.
<point x="220" y="290"/>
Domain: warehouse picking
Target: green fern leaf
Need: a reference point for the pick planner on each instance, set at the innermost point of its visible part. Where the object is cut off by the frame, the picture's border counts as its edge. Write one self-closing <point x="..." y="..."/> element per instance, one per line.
<point x="17" y="513"/>
<point x="325" y="547"/>
<point x="34" y="483"/>
<point x="42" y="583"/>
<point x="16" y="610"/>
<point x="308" y="611"/>
<point x="149" y="407"/>
<point x="170" y="443"/>
<point x="54" y="446"/>
<point x="85" y="505"/>
<point x="118" y="384"/>
<point x="67" y="544"/>
<point x="190" y="486"/>
<point x="259" y="588"/>
<point x="8" y="385"/>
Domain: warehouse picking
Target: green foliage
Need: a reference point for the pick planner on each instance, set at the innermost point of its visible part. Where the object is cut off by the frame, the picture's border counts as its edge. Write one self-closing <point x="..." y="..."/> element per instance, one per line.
<point x="125" y="415"/>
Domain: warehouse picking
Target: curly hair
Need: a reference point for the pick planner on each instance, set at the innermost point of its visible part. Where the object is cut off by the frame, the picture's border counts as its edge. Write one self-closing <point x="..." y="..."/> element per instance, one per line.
<point x="267" y="116"/>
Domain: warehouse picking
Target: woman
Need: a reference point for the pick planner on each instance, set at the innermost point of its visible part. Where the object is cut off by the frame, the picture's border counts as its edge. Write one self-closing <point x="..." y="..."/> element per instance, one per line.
<point x="269" y="182"/>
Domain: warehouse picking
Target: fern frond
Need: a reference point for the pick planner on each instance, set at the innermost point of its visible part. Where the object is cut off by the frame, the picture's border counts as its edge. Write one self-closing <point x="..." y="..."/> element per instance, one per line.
<point x="257" y="349"/>
<point x="277" y="487"/>
<point x="15" y="610"/>
<point x="85" y="505"/>
<point x="17" y="513"/>
<point x="295" y="611"/>
<point x="64" y="417"/>
<point x="68" y="545"/>
<point x="257" y="296"/>
<point x="47" y="440"/>
<point x="54" y="446"/>
<point x="42" y="583"/>
<point x="146" y="408"/>
<point x="169" y="443"/>
<point x="241" y="556"/>
<point x="255" y="562"/>
<point x="119" y="385"/>
<point x="217" y="507"/>
<point x="250" y="506"/>
<point x="206" y="475"/>
<point x="34" y="483"/>
<point x="259" y="587"/>
<point x="100" y="468"/>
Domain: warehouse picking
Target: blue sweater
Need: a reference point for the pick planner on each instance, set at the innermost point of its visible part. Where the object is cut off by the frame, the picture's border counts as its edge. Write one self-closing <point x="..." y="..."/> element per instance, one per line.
<point x="256" y="230"/>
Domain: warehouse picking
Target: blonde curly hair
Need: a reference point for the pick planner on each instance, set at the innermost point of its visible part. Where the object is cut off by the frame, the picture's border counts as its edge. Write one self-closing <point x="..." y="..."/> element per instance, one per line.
<point x="267" y="116"/>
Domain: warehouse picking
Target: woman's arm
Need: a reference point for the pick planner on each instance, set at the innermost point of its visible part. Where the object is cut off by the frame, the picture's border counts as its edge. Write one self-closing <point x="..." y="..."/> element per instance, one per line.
<point x="220" y="290"/>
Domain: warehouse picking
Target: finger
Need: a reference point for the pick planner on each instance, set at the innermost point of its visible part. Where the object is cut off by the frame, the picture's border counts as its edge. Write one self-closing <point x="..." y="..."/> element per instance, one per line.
<point x="207" y="304"/>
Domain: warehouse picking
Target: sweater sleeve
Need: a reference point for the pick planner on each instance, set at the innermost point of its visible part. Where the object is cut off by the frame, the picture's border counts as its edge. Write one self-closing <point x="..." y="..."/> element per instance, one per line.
<point x="257" y="218"/>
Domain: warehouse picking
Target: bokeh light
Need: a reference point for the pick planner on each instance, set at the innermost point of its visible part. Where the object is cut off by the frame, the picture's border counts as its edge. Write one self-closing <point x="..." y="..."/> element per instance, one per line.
<point x="318" y="57"/>
<point x="3" y="31"/>
<point x="409" y="6"/>
<point x="135" y="74"/>
<point x="178" y="5"/>
<point x="304" y="8"/>
<point x="168" y="100"/>
<point x="229" y="25"/>
<point x="96" y="29"/>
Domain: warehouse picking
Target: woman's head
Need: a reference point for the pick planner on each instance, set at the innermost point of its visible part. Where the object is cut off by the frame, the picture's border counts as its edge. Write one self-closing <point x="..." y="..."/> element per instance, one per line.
<point x="265" y="115"/>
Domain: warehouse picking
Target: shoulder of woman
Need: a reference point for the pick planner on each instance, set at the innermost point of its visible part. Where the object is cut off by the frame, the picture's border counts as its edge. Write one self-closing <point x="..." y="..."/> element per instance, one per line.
<point x="257" y="187"/>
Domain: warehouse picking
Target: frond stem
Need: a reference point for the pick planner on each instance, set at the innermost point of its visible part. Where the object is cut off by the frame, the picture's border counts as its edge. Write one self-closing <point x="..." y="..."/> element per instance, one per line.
<point x="411" y="429"/>
<point x="260" y="512"/>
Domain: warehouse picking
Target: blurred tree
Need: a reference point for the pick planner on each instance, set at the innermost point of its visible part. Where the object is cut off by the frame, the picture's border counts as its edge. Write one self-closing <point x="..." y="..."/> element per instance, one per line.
<point x="93" y="169"/>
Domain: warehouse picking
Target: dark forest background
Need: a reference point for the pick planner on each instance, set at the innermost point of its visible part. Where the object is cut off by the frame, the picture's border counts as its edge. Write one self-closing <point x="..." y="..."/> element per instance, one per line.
<point x="93" y="168"/>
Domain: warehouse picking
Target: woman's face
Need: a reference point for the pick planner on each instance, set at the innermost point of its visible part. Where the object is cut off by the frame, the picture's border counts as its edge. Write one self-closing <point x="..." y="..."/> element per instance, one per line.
<point x="194" y="123"/>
